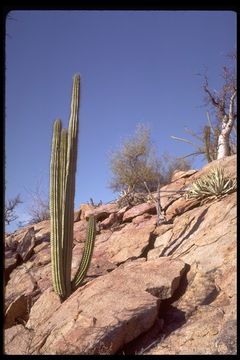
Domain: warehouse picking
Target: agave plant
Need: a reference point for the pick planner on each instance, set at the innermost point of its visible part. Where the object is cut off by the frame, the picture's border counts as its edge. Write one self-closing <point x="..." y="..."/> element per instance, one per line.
<point x="212" y="185"/>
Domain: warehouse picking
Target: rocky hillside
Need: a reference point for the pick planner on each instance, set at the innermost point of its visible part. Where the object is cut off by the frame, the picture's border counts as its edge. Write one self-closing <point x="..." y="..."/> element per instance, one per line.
<point x="150" y="289"/>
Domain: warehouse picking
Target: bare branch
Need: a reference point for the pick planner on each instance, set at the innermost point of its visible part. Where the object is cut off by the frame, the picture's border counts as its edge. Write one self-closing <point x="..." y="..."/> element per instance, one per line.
<point x="231" y="106"/>
<point x="157" y="201"/>
<point x="212" y="98"/>
<point x="193" y="133"/>
<point x="192" y="154"/>
<point x="185" y="140"/>
<point x="10" y="207"/>
<point x="39" y="208"/>
<point x="210" y="123"/>
<point x="235" y="129"/>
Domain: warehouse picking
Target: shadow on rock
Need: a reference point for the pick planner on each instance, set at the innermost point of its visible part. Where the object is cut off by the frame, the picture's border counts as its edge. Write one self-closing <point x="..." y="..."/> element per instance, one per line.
<point x="169" y="319"/>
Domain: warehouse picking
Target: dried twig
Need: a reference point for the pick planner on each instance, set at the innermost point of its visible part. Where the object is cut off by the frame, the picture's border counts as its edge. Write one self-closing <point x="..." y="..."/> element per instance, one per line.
<point x="160" y="216"/>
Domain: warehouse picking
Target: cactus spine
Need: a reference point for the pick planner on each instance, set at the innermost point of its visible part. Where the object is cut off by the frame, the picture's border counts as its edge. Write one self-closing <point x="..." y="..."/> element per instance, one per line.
<point x="62" y="189"/>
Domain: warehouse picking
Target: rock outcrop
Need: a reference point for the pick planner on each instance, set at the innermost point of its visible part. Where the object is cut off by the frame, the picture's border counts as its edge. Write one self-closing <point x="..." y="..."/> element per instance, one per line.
<point x="150" y="289"/>
<point x="111" y="310"/>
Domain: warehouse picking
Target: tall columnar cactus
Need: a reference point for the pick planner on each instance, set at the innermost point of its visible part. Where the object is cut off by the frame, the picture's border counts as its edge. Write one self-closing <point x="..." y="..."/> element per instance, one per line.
<point x="62" y="190"/>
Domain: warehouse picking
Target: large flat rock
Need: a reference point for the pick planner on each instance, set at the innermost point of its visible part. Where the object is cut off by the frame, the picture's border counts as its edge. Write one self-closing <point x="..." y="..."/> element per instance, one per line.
<point x="102" y="315"/>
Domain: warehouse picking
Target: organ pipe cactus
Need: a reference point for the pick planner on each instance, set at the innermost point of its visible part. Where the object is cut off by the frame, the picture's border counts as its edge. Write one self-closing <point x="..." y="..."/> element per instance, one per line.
<point x="62" y="190"/>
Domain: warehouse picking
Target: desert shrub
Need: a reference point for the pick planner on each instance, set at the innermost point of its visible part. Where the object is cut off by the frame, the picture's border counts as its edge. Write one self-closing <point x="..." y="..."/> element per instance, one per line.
<point x="212" y="185"/>
<point x="134" y="163"/>
<point x="170" y="164"/>
<point x="10" y="208"/>
<point x="39" y="208"/>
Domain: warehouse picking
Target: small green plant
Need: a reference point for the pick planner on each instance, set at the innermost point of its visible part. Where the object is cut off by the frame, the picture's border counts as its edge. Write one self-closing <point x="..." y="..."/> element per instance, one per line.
<point x="212" y="185"/>
<point x="62" y="191"/>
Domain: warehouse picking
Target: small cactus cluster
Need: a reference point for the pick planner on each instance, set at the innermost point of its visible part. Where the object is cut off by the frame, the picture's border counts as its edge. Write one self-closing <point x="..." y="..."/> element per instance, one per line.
<point x="212" y="185"/>
<point x="62" y="190"/>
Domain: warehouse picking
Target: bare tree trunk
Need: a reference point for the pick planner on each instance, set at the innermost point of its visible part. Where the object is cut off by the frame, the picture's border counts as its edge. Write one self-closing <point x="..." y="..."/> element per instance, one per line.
<point x="227" y="125"/>
<point x="223" y="145"/>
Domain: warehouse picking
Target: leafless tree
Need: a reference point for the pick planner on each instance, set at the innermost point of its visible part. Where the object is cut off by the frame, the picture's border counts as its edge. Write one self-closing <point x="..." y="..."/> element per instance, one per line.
<point x="224" y="104"/>
<point x="10" y="208"/>
<point x="216" y="138"/>
<point x="39" y="208"/>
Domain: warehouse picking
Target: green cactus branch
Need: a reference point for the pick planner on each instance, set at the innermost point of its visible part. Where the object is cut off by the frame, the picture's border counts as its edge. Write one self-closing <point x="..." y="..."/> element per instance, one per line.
<point x="62" y="190"/>
<point x="87" y="253"/>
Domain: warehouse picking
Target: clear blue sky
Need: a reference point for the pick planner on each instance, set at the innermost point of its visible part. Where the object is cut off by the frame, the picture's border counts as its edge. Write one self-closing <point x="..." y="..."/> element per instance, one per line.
<point x="135" y="66"/>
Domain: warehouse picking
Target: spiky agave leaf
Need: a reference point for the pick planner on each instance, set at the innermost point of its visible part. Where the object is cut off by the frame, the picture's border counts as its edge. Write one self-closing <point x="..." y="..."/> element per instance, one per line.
<point x="212" y="185"/>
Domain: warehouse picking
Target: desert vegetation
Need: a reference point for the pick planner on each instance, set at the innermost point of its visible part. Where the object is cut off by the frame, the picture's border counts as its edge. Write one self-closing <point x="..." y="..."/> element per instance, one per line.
<point x="212" y="185"/>
<point x="217" y="138"/>
<point x="10" y="209"/>
<point x="62" y="190"/>
<point x="136" y="163"/>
